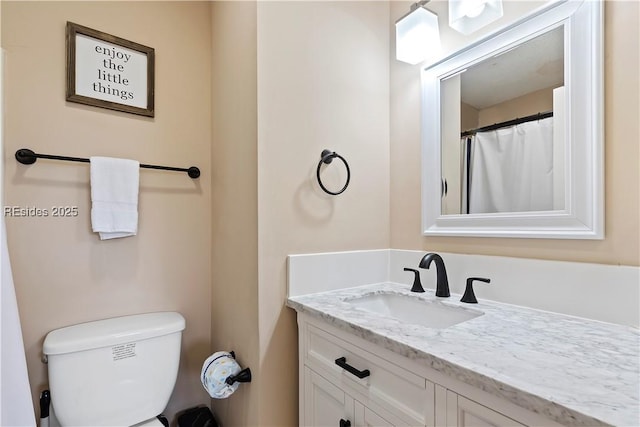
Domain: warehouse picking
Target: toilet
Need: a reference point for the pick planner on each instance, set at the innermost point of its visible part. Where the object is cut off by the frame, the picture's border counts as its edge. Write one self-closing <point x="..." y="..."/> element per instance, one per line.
<point x="114" y="372"/>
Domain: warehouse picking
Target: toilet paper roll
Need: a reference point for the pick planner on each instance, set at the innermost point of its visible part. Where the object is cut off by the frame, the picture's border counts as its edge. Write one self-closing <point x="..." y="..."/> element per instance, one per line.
<point x="215" y="371"/>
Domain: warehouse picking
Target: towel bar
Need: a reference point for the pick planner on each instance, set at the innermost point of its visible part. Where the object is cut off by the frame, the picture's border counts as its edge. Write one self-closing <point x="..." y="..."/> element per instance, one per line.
<point x="28" y="157"/>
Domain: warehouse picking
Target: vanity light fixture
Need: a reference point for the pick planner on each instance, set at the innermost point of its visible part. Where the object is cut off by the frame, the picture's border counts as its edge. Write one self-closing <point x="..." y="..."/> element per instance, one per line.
<point x="417" y="35"/>
<point x="467" y="16"/>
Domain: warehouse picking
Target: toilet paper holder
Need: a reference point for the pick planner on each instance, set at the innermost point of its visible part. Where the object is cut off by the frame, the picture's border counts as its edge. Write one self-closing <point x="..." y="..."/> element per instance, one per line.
<point x="244" y="376"/>
<point x="221" y="374"/>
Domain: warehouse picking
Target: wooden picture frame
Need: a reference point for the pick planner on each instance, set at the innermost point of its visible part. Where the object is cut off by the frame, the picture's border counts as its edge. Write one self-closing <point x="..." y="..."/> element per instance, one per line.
<point x="109" y="72"/>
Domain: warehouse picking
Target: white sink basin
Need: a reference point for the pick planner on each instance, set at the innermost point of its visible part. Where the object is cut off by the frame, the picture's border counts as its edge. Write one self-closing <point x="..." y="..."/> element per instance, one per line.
<point x="432" y="314"/>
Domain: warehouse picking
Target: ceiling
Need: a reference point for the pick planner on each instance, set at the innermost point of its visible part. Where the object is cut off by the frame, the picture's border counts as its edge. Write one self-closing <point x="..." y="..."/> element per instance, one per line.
<point x="534" y="65"/>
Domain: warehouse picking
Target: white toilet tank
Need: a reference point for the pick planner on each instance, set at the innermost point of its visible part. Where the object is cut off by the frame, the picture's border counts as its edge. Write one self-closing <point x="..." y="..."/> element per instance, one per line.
<point x="114" y="372"/>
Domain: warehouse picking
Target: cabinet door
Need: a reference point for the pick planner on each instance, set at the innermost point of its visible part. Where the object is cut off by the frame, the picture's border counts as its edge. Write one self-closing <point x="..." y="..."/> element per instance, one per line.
<point x="365" y="417"/>
<point x="324" y="403"/>
<point x="462" y="412"/>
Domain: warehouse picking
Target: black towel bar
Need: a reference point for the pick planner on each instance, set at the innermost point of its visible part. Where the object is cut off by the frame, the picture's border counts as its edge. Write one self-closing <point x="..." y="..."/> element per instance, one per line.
<point x="28" y="157"/>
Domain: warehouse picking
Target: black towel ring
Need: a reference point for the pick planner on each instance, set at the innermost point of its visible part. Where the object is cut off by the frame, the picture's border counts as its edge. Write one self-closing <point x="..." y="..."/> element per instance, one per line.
<point x="327" y="157"/>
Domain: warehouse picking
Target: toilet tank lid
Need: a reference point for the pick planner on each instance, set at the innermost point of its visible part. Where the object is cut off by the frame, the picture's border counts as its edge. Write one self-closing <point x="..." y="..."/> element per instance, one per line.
<point x="108" y="332"/>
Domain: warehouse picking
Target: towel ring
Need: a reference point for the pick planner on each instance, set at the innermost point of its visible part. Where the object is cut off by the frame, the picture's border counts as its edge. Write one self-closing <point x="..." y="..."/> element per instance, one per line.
<point x="327" y="157"/>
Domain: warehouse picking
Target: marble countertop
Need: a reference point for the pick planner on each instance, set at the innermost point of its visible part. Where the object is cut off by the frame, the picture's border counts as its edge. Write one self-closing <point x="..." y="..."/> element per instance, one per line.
<point x="572" y="370"/>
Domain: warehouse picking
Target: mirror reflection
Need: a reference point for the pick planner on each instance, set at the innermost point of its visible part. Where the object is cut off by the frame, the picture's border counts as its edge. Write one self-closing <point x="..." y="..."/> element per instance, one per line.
<point x="502" y="131"/>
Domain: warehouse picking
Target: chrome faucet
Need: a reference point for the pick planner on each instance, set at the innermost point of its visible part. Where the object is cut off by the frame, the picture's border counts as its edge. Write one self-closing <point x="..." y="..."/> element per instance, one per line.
<point x="442" y="283"/>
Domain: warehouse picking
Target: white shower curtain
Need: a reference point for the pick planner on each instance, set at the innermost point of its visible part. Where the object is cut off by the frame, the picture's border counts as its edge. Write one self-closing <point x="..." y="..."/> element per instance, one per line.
<point x="512" y="169"/>
<point x="16" y="407"/>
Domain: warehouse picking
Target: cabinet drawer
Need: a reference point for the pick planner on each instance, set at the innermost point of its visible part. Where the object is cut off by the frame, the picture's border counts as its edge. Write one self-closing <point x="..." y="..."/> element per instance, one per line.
<point x="405" y="394"/>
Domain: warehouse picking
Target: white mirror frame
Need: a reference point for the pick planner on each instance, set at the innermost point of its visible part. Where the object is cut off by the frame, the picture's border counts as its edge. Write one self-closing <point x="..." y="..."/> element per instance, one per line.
<point x="583" y="216"/>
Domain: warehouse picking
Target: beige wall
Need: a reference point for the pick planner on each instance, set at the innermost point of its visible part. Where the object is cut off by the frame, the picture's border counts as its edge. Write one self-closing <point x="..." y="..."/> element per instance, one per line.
<point x="468" y="117"/>
<point x="536" y="102"/>
<point x="327" y="87"/>
<point x="234" y="157"/>
<point x="622" y="153"/>
<point x="322" y="83"/>
<point x="63" y="273"/>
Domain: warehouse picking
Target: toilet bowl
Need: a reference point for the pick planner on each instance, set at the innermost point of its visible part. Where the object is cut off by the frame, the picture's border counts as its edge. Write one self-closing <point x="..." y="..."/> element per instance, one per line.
<point x="118" y="371"/>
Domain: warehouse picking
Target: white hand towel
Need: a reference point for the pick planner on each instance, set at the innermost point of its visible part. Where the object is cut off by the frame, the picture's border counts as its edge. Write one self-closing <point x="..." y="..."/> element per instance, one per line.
<point x="114" y="197"/>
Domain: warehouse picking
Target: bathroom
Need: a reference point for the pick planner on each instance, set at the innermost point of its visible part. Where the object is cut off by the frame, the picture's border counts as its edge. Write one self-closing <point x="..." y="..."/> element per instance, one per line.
<point x="251" y="93"/>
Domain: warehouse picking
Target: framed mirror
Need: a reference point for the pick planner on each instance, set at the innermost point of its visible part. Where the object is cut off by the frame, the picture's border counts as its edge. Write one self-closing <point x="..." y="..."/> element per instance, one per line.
<point x="512" y="130"/>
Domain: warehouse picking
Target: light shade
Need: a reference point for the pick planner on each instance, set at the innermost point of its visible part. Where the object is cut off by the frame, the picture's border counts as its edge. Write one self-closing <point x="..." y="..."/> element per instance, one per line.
<point x="417" y="36"/>
<point x="467" y="16"/>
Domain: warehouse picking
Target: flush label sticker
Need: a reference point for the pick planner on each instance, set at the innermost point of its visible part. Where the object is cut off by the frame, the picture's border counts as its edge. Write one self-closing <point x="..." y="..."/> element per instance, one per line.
<point x="123" y="351"/>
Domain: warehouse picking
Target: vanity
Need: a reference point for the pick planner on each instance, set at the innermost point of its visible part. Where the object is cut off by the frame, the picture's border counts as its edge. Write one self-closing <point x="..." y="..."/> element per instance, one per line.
<point x="488" y="364"/>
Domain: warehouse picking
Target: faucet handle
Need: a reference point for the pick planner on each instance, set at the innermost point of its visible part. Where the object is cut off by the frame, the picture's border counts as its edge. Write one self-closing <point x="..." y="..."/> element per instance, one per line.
<point x="469" y="296"/>
<point x="417" y="285"/>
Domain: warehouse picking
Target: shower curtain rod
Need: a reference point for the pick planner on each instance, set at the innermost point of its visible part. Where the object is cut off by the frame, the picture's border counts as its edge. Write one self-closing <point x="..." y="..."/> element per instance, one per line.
<point x="508" y="123"/>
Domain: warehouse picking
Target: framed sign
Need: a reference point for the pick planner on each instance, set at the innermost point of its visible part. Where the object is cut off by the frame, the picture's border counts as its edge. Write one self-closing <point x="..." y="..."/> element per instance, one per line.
<point x="109" y="72"/>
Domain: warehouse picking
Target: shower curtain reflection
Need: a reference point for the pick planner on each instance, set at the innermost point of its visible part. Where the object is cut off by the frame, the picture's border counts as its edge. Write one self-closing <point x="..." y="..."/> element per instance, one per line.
<point x="509" y="169"/>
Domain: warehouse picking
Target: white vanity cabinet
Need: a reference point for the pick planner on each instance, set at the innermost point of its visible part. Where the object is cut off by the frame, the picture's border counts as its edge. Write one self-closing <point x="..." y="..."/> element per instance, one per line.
<point x="326" y="404"/>
<point x="388" y="395"/>
<point x="396" y="391"/>
<point x="454" y="410"/>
